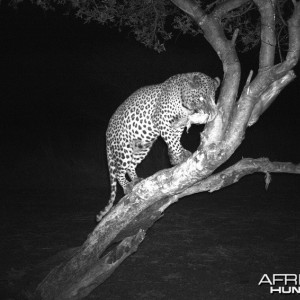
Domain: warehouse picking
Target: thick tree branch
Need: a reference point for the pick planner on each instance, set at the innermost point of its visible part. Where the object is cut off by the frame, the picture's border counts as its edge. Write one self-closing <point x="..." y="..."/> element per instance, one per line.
<point x="226" y="6"/>
<point x="268" y="97"/>
<point x="191" y="8"/>
<point x="98" y="272"/>
<point x="234" y="173"/>
<point x="294" y="36"/>
<point x="268" y="37"/>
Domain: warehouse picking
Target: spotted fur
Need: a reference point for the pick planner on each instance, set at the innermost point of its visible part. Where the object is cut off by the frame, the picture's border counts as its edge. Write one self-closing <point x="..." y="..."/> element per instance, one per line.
<point x="152" y="111"/>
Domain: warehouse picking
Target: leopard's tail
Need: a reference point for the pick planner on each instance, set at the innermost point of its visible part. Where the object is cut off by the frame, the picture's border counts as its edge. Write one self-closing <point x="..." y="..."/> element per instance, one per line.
<point x="113" y="185"/>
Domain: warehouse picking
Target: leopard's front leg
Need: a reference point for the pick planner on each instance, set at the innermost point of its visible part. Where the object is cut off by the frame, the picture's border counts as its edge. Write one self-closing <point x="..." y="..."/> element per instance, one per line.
<point x="177" y="153"/>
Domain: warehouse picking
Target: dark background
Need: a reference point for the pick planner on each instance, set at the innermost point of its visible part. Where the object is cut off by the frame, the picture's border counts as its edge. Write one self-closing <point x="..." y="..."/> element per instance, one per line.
<point x="61" y="82"/>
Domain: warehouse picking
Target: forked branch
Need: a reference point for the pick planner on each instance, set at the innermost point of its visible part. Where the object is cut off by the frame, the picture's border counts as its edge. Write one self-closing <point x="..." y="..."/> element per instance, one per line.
<point x="276" y="78"/>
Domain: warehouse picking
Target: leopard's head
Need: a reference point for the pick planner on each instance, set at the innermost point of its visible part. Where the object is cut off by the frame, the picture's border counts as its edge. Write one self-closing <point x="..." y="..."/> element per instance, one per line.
<point x="198" y="96"/>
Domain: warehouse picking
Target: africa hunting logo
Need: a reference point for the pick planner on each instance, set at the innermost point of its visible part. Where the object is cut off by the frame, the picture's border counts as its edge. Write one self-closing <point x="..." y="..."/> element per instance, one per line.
<point x="282" y="283"/>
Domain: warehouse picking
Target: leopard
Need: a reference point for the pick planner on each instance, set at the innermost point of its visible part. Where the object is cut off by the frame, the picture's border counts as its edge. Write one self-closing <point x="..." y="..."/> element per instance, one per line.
<point x="164" y="110"/>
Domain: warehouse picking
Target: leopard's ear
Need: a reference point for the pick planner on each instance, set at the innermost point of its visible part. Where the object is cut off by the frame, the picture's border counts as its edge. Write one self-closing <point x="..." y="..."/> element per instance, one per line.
<point x="217" y="82"/>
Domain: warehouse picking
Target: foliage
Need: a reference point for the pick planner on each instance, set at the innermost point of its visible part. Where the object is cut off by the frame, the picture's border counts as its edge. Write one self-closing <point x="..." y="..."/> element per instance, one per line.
<point x="154" y="22"/>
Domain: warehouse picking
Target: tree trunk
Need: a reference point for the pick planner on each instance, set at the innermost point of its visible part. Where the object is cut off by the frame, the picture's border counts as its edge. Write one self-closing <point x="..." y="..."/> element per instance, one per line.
<point x="122" y="230"/>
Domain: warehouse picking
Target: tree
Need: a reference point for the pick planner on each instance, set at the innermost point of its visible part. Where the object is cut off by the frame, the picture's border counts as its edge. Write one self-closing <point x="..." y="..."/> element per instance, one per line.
<point x="121" y="231"/>
<point x="154" y="22"/>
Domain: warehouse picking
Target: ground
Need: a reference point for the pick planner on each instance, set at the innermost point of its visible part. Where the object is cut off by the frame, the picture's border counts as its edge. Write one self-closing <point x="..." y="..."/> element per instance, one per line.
<point x="208" y="246"/>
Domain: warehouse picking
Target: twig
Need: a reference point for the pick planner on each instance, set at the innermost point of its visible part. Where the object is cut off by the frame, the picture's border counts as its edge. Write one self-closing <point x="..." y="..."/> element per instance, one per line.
<point x="234" y="36"/>
<point x="249" y="77"/>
